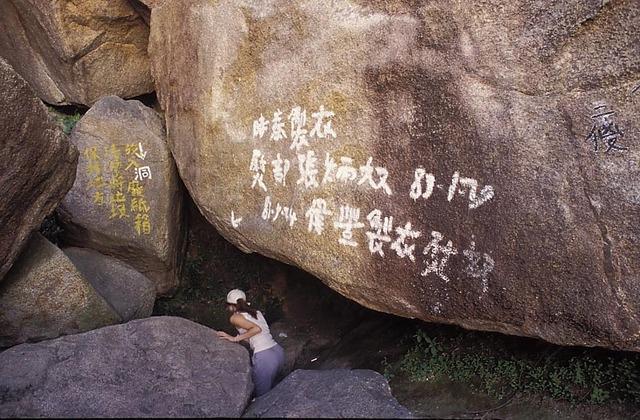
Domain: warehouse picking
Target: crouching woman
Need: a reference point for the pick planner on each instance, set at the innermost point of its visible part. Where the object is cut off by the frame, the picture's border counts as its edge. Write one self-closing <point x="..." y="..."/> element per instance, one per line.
<point x="268" y="356"/>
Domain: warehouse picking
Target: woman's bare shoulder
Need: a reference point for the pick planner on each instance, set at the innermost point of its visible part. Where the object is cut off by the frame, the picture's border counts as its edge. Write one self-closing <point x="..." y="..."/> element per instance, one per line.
<point x="236" y="317"/>
<point x="240" y="321"/>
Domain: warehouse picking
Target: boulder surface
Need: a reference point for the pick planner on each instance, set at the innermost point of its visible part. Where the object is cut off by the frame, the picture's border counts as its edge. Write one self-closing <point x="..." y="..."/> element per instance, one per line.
<point x="75" y="53"/>
<point x="45" y="296"/>
<point x="155" y="367"/>
<point x="127" y="200"/>
<point x="473" y="162"/>
<point x="128" y="291"/>
<point x="143" y="7"/>
<point x="336" y="393"/>
<point x="37" y="164"/>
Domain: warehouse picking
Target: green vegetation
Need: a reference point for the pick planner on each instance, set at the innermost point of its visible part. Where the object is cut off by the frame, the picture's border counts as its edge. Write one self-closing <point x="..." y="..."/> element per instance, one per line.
<point x="67" y="117"/>
<point x="584" y="375"/>
<point x="68" y="121"/>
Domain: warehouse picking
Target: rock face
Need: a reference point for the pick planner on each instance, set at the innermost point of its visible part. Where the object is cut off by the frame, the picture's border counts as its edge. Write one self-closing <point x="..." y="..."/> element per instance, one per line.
<point x="38" y="164"/>
<point x="156" y="367"/>
<point x="339" y="393"/>
<point x="143" y="7"/>
<point x="127" y="199"/>
<point x="72" y="53"/>
<point x="44" y="296"/>
<point x="130" y="293"/>
<point x="433" y="160"/>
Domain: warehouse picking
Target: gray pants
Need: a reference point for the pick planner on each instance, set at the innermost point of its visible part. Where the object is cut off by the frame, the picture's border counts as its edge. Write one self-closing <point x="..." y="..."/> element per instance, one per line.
<point x="266" y="364"/>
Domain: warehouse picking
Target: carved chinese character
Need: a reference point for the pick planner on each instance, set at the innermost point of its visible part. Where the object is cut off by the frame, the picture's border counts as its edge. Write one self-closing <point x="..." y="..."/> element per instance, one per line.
<point x="349" y="220"/>
<point x="380" y="230"/>
<point x="438" y="256"/>
<point x="316" y="215"/>
<point x="605" y="130"/>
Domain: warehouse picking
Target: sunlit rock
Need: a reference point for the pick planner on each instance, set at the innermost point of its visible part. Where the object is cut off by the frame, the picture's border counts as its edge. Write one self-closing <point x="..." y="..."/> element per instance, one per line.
<point x="129" y="293"/>
<point x="37" y="164"/>
<point x="75" y="53"/>
<point x="473" y="163"/>
<point x="127" y="200"/>
<point x="45" y="296"/>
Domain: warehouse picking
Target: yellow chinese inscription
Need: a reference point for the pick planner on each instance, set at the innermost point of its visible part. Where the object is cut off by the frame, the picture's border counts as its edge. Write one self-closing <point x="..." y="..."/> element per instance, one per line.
<point x="142" y="224"/>
<point x="118" y="205"/>
<point x="98" y="198"/>
<point x="94" y="172"/>
<point x="130" y="149"/>
<point x="97" y="182"/>
<point x="139" y="205"/>
<point x="135" y="189"/>
<point x="91" y="153"/>
<point x="116" y="187"/>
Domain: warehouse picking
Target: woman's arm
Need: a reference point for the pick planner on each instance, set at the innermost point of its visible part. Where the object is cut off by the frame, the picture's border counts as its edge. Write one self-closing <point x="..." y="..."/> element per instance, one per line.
<point x="239" y="321"/>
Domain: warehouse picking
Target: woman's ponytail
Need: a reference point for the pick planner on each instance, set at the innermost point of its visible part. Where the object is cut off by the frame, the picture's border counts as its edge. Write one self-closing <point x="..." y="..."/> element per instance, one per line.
<point x="243" y="306"/>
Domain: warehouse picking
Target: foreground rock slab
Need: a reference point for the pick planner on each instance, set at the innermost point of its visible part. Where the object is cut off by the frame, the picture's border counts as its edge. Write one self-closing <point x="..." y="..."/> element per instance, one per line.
<point x="127" y="200"/>
<point x="128" y="291"/>
<point x="472" y="163"/>
<point x="156" y="367"/>
<point x="37" y="164"/>
<point x="338" y="393"/>
<point x="45" y="296"/>
<point x="76" y="53"/>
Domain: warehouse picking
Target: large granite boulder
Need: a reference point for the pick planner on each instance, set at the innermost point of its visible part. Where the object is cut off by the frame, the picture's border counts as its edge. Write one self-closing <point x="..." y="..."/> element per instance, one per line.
<point x="74" y="52"/>
<point x="156" y="367"/>
<point x="45" y="296"/>
<point x="128" y="291"/>
<point x="465" y="162"/>
<point x="127" y="200"/>
<point x="337" y="393"/>
<point x="38" y="164"/>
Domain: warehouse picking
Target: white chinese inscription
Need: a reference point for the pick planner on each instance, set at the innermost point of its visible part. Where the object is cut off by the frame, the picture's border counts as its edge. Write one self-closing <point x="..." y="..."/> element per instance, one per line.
<point x="469" y="186"/>
<point x="316" y="215"/>
<point x="380" y="231"/>
<point x="257" y="166"/>
<point x="142" y="173"/>
<point x="286" y="141"/>
<point x="235" y="221"/>
<point x="438" y="256"/>
<point x="349" y="220"/>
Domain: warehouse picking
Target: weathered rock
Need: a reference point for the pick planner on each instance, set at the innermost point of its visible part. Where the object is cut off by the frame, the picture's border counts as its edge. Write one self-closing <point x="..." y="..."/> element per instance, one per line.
<point x="156" y="367"/>
<point x="338" y="393"/>
<point x="469" y="120"/>
<point x="138" y="221"/>
<point x="44" y="296"/>
<point x="72" y="53"/>
<point x="143" y="7"/>
<point x="130" y="293"/>
<point x="38" y="164"/>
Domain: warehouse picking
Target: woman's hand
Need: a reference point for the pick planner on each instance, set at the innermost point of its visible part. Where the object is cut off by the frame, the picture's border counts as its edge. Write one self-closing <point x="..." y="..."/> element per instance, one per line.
<point x="226" y="336"/>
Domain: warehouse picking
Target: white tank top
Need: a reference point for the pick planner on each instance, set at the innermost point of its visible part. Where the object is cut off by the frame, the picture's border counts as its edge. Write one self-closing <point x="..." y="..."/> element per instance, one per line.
<point x="263" y="340"/>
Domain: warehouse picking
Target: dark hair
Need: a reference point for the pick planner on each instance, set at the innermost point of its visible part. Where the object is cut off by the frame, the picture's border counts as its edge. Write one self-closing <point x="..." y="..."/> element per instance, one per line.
<point x="243" y="306"/>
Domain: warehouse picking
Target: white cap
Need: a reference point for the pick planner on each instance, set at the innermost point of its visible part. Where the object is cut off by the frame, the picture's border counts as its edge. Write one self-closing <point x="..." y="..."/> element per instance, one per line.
<point x="234" y="295"/>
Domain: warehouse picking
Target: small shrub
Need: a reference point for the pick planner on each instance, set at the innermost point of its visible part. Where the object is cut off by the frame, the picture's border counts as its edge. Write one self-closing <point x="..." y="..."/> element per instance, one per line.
<point x="575" y="379"/>
<point x="387" y="369"/>
<point x="68" y="122"/>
